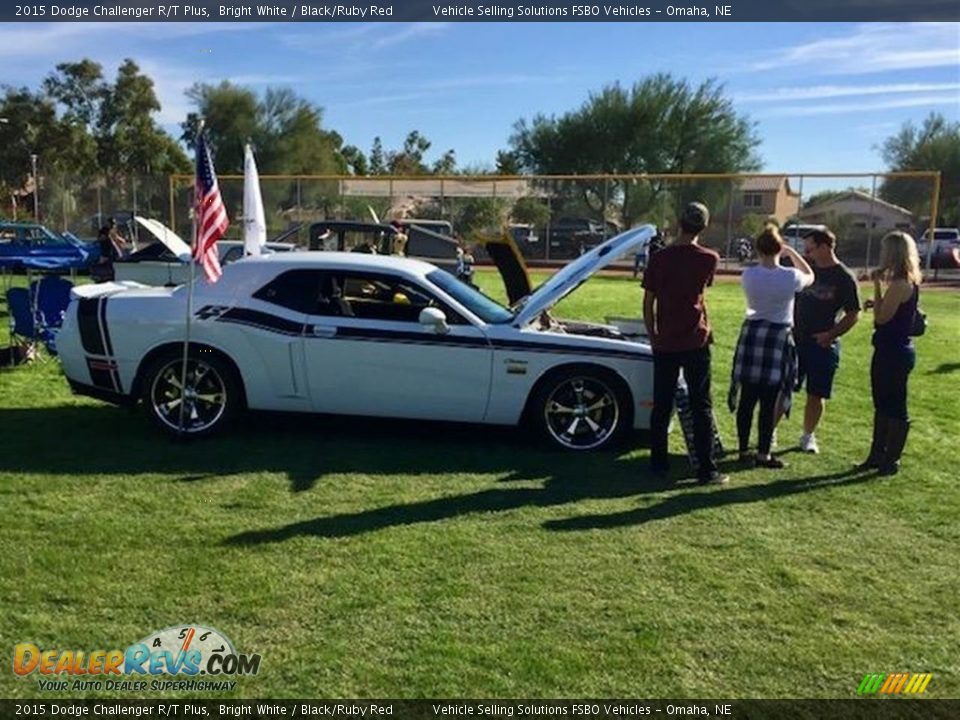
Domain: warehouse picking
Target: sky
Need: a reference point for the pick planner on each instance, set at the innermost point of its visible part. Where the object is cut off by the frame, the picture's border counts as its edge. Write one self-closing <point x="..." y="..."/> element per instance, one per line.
<point x="823" y="96"/>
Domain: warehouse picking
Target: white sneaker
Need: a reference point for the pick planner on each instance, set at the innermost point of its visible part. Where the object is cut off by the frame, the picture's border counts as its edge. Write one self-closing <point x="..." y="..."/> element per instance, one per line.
<point x="808" y="443"/>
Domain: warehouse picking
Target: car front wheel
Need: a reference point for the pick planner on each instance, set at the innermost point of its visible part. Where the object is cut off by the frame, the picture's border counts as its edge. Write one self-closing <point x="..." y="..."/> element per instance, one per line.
<point x="202" y="406"/>
<point x="582" y="410"/>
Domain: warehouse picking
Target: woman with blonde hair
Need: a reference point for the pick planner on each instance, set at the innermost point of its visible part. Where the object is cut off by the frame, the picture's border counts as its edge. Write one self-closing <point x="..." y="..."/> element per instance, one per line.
<point x="764" y="366"/>
<point x="896" y="295"/>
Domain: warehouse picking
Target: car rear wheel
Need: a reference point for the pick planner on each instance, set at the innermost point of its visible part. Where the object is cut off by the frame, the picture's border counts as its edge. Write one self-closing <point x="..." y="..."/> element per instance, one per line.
<point x="203" y="406"/>
<point x="582" y="409"/>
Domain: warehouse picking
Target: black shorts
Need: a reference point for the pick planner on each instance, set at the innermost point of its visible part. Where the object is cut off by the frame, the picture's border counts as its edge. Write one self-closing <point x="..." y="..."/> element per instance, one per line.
<point x="817" y="365"/>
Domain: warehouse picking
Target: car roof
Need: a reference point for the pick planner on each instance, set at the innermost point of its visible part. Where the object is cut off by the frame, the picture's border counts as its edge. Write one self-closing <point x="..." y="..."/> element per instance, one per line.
<point x="344" y="261"/>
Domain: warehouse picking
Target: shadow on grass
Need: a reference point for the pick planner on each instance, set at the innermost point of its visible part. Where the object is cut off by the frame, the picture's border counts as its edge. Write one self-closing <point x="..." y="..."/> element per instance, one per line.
<point x="100" y="440"/>
<point x="945" y="369"/>
<point x="676" y="505"/>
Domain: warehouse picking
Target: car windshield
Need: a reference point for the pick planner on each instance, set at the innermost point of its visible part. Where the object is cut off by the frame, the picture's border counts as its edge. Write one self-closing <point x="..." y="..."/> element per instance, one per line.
<point x="475" y="301"/>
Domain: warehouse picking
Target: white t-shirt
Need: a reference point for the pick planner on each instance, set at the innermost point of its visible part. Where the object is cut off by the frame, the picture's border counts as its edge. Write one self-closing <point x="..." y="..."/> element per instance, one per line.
<point x="770" y="292"/>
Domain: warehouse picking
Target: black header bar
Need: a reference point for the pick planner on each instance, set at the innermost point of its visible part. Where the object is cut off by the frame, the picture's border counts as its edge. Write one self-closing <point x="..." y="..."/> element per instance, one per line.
<point x="482" y="11"/>
<point x="863" y="709"/>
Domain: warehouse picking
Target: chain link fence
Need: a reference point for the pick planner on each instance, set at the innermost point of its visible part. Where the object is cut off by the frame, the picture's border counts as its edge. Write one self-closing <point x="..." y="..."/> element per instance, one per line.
<point x="552" y="219"/>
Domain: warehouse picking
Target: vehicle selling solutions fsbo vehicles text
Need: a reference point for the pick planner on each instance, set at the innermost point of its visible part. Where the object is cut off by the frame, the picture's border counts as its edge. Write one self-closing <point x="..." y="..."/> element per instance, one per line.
<point x="575" y="11"/>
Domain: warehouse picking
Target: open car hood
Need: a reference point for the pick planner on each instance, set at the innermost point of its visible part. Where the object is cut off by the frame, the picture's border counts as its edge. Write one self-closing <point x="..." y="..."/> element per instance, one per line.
<point x="571" y="276"/>
<point x="160" y="232"/>
<point x="506" y="256"/>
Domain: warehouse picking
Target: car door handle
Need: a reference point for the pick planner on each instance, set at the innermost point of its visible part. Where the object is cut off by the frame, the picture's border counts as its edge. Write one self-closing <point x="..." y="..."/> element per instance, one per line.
<point x="324" y="331"/>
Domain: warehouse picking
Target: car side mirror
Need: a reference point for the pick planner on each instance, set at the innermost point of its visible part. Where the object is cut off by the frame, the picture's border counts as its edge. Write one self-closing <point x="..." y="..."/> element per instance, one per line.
<point x="432" y="318"/>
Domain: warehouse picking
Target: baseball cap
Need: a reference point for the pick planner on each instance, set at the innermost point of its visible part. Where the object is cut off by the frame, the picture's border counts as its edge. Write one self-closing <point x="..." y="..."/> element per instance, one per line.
<point x="695" y="217"/>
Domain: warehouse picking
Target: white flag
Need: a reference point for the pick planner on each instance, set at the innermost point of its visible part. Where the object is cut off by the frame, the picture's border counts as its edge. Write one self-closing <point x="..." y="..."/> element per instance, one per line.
<point x="254" y="221"/>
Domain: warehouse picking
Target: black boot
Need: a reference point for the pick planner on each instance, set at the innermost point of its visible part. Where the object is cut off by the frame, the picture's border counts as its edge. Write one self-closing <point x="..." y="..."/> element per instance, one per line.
<point x="880" y="427"/>
<point x="896" y="440"/>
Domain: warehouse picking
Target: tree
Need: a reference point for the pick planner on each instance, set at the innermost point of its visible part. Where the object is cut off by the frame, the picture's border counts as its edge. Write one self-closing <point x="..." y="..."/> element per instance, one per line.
<point x="378" y="163"/>
<point x="80" y="89"/>
<point x="531" y="211"/>
<point x="409" y="160"/>
<point x="659" y="125"/>
<point x="935" y="145"/>
<point x="355" y="160"/>
<point x="231" y="118"/>
<point x="447" y="164"/>
<point x="508" y="163"/>
<point x="128" y="138"/>
<point x="32" y="127"/>
<point x="286" y="130"/>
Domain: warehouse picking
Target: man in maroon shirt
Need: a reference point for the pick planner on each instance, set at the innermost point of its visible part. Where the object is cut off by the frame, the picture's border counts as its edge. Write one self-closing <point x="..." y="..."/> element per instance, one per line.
<point x="675" y="314"/>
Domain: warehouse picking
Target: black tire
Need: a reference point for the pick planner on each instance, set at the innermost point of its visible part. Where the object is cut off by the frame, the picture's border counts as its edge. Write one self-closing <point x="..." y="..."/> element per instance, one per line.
<point x="595" y="399"/>
<point x="216" y="387"/>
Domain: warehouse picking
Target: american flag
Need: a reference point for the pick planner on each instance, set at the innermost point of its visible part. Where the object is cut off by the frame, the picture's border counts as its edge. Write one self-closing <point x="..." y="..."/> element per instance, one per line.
<point x="211" y="215"/>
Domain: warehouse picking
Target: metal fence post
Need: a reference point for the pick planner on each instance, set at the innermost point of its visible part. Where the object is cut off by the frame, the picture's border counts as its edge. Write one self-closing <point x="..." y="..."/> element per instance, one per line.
<point x="63" y="201"/>
<point x="726" y="258"/>
<point x="549" y="236"/>
<point x="870" y="223"/>
<point x="443" y="200"/>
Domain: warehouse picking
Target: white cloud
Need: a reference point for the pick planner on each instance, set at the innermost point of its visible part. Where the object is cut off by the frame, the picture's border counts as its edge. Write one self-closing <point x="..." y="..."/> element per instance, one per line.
<point x="359" y="38"/>
<point x="875" y="47"/>
<point x="24" y="40"/>
<point x="820" y="92"/>
<point x="859" y="107"/>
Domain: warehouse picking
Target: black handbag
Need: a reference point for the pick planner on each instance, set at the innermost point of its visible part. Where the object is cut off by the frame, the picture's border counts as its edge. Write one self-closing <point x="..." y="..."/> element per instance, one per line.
<point x="919" y="324"/>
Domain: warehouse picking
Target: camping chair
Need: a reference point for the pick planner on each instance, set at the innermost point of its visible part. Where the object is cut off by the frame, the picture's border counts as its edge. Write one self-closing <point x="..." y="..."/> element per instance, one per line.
<point x="51" y="296"/>
<point x="24" y="333"/>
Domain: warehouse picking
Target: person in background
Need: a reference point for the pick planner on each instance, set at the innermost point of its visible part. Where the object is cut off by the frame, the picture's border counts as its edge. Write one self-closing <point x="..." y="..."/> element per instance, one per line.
<point x="111" y="247"/>
<point x="642" y="256"/>
<point x="896" y="296"/>
<point x="817" y="328"/>
<point x="121" y="245"/>
<point x="764" y="365"/>
<point x="675" y="314"/>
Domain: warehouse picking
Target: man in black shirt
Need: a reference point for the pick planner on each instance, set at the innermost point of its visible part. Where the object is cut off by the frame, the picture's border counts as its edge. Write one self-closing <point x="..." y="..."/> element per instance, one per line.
<point x="817" y="328"/>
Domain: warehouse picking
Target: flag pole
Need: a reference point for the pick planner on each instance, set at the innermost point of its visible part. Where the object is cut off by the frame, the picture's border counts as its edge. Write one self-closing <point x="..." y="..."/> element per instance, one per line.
<point x="186" y="335"/>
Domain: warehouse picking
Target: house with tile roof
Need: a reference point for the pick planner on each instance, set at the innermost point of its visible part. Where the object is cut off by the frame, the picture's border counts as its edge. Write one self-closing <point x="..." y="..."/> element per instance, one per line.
<point x="768" y="196"/>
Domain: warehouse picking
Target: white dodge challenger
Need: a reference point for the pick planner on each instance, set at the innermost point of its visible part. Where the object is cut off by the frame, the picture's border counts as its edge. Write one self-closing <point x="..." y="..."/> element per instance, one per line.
<point x="356" y="334"/>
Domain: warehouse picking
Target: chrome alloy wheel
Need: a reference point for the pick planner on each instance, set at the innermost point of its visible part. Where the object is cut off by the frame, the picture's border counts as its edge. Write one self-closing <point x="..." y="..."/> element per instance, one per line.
<point x="581" y="413"/>
<point x="204" y="400"/>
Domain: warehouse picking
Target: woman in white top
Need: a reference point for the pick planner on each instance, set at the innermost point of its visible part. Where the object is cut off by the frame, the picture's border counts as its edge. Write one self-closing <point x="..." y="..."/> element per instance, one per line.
<point x="764" y="364"/>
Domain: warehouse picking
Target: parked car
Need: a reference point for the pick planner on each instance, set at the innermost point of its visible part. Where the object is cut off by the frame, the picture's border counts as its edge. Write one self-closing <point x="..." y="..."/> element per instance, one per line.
<point x="572" y="236"/>
<point x="369" y="237"/>
<point x="795" y="233"/>
<point x="360" y="334"/>
<point x="163" y="255"/>
<point x="945" y="249"/>
<point x="27" y="245"/>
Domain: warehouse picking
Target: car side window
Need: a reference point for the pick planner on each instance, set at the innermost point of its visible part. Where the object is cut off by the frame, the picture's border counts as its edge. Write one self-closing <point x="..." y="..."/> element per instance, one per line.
<point x="296" y="290"/>
<point x="376" y="296"/>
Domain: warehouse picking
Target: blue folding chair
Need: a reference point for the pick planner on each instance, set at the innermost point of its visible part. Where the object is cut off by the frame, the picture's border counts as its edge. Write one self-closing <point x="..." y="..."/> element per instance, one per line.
<point x="51" y="296"/>
<point x="23" y="326"/>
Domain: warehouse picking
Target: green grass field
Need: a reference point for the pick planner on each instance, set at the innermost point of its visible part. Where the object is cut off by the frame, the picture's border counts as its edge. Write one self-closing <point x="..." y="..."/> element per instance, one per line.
<point x="392" y="559"/>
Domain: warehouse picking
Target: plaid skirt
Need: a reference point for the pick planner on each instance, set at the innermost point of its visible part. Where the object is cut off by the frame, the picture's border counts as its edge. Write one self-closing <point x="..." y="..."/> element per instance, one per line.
<point x="766" y="355"/>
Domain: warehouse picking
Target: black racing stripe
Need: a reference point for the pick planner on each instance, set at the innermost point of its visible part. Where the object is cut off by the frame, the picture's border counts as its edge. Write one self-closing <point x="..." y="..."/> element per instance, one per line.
<point x="89" y="322"/>
<point x="262" y="320"/>
<point x="554" y="348"/>
<point x="103" y="326"/>
<point x="102" y="374"/>
<point x="275" y="323"/>
<point x="406" y="337"/>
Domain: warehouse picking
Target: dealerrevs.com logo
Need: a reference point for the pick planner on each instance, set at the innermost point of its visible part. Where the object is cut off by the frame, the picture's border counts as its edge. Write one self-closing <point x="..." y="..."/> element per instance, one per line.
<point x="185" y="652"/>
